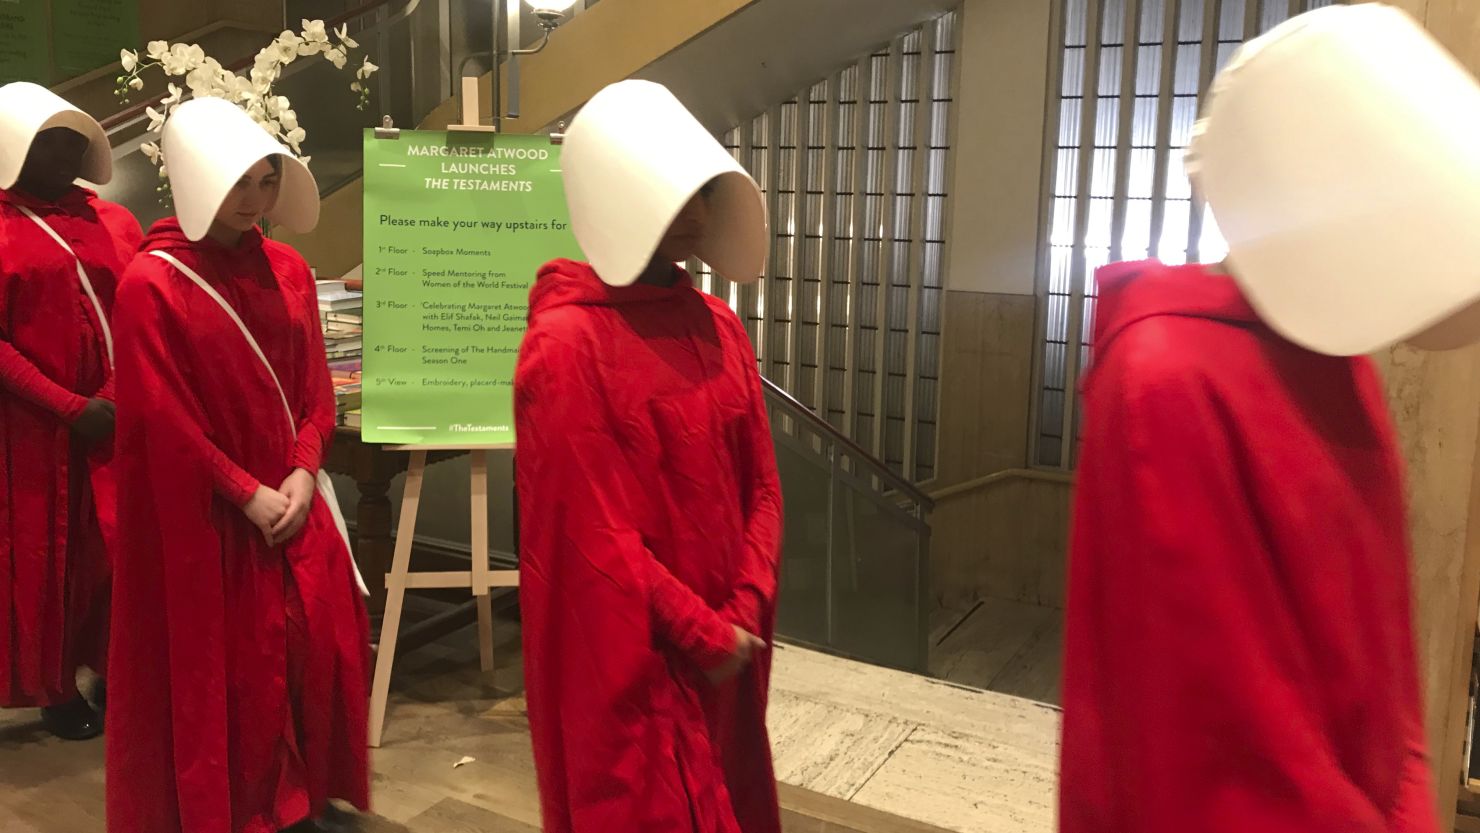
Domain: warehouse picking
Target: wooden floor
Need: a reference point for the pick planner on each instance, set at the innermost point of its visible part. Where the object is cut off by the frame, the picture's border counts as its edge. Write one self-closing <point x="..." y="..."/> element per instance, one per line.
<point x="1002" y="646"/>
<point x="456" y="759"/>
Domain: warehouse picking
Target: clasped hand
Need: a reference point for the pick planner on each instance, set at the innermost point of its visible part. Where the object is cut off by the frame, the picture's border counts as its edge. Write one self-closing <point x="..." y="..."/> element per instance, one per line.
<point x="747" y="646"/>
<point x="280" y="513"/>
<point x="95" y="424"/>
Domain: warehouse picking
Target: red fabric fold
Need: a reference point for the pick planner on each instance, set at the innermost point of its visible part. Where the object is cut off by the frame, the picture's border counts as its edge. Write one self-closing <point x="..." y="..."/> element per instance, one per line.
<point x="1239" y="650"/>
<point x="650" y="524"/>
<point x="239" y="700"/>
<point x="56" y="510"/>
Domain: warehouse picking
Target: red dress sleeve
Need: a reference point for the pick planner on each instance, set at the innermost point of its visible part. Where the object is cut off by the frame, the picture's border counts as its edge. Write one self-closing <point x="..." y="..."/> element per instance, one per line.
<point x="125" y="229"/>
<point x="584" y="469"/>
<point x="22" y="378"/>
<point x="752" y="602"/>
<point x="317" y="413"/>
<point x="1197" y="712"/>
<point x="232" y="482"/>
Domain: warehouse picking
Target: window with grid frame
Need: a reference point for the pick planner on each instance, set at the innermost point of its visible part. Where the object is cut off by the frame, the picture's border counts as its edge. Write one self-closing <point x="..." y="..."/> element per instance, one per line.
<point x="1131" y="74"/>
<point x="855" y="170"/>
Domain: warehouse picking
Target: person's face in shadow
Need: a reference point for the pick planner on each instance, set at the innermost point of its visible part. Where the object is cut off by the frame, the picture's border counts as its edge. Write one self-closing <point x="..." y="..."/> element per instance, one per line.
<point x="53" y="163"/>
<point x="681" y="242"/>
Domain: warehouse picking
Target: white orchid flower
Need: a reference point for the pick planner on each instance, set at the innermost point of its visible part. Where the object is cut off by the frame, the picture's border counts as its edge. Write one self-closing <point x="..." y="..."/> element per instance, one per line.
<point x="182" y="58"/>
<point x="315" y="38"/>
<point x="305" y="159"/>
<point x="286" y="47"/>
<point x="200" y="82"/>
<point x="314" y="31"/>
<point x="266" y="60"/>
<point x="262" y="78"/>
<point x="204" y="77"/>
<point x="242" y="88"/>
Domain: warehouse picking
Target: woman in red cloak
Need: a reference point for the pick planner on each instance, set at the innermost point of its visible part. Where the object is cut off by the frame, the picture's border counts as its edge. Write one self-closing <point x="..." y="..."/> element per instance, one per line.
<point x="650" y="507"/>
<point x="239" y="701"/>
<point x="56" y="408"/>
<point x="1239" y="647"/>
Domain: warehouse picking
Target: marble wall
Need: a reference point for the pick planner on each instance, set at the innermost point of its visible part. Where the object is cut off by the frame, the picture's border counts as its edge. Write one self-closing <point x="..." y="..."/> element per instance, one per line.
<point x="1435" y="398"/>
<point x="1003" y="537"/>
<point x="985" y="385"/>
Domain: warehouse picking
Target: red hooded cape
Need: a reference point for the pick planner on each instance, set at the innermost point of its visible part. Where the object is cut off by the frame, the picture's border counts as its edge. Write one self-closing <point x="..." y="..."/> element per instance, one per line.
<point x="238" y="702"/>
<point x="53" y="563"/>
<point x="1239" y="646"/>
<point x="650" y="520"/>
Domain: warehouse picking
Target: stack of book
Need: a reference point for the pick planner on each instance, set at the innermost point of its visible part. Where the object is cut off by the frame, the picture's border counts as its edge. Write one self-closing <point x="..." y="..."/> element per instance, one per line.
<point x="341" y="313"/>
<point x="346" y="376"/>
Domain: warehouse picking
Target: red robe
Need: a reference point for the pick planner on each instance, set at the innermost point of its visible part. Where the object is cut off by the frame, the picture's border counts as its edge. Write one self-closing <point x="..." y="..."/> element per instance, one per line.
<point x="1239" y="648"/>
<point x="238" y="702"/>
<point x="650" y="521"/>
<point x="53" y="564"/>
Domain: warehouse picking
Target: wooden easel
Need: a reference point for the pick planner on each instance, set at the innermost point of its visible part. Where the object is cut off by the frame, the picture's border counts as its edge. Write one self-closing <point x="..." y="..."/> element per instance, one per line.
<point x="479" y="579"/>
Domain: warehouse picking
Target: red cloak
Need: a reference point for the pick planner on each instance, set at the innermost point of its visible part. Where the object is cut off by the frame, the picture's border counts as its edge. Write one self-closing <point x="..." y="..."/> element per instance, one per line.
<point x="53" y="563"/>
<point x="238" y="702"/>
<point x="1239" y="647"/>
<point x="650" y="521"/>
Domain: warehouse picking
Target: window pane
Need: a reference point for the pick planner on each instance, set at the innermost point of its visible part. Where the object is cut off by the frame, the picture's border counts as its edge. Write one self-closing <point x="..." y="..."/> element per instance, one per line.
<point x="1163" y="101"/>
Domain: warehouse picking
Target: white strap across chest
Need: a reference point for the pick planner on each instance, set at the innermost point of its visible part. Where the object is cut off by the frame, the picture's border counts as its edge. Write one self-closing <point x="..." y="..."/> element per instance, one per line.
<point x="87" y="286"/>
<point x="241" y="325"/>
<point x="325" y="485"/>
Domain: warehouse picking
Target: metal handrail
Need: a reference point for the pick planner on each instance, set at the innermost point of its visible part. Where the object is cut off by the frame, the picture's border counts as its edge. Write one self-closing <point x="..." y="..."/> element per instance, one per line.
<point x="801" y="412"/>
<point x="134" y="112"/>
<point x="1004" y="476"/>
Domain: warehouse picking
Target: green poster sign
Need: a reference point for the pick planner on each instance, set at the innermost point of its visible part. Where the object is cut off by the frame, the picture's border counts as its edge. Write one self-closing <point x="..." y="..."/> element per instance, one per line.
<point x="456" y="227"/>
<point x="89" y="33"/>
<point x="23" y="55"/>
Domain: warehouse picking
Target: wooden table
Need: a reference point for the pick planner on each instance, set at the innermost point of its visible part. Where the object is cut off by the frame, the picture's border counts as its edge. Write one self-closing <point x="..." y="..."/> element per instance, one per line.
<point x="372" y="467"/>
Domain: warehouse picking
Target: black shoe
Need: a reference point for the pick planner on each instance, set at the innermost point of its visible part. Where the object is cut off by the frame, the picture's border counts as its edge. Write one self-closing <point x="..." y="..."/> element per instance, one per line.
<point x="336" y="820"/>
<point x="72" y="721"/>
<point x="100" y="696"/>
